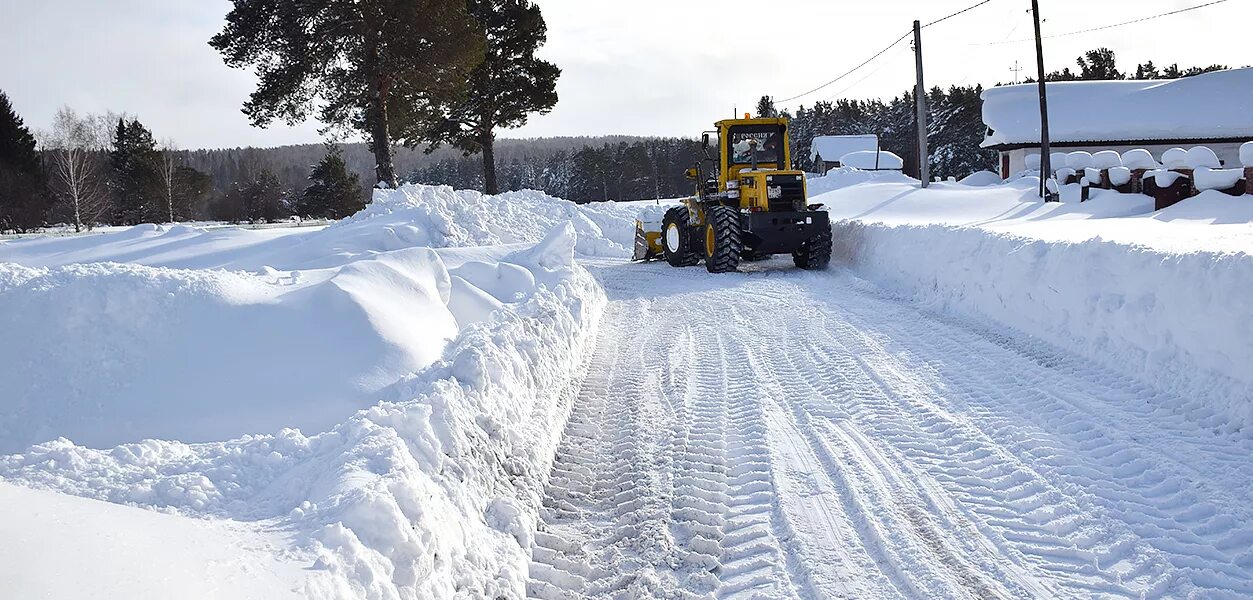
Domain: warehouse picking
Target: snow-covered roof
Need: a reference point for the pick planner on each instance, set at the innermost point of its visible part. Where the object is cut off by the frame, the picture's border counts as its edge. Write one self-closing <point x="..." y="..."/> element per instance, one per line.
<point x="1215" y="105"/>
<point x="832" y="147"/>
<point x="867" y="161"/>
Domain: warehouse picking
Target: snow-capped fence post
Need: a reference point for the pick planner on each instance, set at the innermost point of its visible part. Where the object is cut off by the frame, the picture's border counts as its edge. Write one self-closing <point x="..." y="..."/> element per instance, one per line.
<point x="1248" y="180"/>
<point x="1167" y="187"/>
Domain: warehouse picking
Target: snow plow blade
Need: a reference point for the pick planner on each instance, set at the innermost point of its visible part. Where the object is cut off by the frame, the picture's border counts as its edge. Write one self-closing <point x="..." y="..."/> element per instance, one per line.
<point x="647" y="241"/>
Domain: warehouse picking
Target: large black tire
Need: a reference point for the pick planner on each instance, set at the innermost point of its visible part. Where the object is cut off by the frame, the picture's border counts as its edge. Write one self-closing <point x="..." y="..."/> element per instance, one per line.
<point x="723" y="242"/>
<point x="815" y="254"/>
<point x="676" y="238"/>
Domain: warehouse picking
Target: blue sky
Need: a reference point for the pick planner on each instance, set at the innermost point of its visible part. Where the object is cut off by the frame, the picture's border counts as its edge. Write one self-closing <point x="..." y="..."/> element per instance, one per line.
<point x="646" y="67"/>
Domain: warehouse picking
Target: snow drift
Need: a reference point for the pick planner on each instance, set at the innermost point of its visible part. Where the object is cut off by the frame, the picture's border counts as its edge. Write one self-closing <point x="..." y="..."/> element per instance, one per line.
<point x="111" y="353"/>
<point x="391" y="388"/>
<point x="432" y="492"/>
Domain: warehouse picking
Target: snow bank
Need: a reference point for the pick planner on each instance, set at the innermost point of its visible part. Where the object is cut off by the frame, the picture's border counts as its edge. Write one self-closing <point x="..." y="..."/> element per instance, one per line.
<point x="431" y="493"/>
<point x="108" y="353"/>
<point x="1246" y="154"/>
<point x="411" y="216"/>
<point x="1153" y="295"/>
<point x="439" y="216"/>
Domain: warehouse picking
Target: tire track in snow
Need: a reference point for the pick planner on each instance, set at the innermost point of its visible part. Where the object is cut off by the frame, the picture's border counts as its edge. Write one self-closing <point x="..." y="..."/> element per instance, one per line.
<point x="781" y="434"/>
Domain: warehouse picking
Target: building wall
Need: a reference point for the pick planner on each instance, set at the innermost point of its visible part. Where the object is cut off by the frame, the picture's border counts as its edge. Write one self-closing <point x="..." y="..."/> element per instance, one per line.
<point x="1228" y="153"/>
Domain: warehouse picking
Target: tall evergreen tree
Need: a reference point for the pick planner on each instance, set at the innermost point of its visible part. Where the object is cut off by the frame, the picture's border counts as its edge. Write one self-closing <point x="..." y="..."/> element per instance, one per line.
<point x="375" y="64"/>
<point x="333" y="192"/>
<point x="766" y="109"/>
<point x="505" y="89"/>
<point x="23" y="193"/>
<point x="134" y="181"/>
<point x="1099" y="64"/>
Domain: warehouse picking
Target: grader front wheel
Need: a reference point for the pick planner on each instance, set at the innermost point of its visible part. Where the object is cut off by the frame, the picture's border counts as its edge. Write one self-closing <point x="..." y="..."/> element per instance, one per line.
<point x="676" y="238"/>
<point x="723" y="242"/>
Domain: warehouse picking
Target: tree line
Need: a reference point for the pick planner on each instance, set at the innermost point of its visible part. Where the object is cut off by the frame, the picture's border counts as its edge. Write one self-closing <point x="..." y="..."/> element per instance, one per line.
<point x="109" y="169"/>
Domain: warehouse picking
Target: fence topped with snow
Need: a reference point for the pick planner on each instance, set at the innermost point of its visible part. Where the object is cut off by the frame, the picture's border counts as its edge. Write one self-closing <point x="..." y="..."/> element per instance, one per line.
<point x="1214" y="105"/>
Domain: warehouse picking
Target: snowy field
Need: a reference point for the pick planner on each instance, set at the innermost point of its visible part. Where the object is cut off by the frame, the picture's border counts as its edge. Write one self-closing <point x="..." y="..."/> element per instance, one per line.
<point x="457" y="396"/>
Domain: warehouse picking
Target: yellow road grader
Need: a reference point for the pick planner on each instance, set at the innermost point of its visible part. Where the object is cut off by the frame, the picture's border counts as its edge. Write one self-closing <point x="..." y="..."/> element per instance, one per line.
<point x="749" y="205"/>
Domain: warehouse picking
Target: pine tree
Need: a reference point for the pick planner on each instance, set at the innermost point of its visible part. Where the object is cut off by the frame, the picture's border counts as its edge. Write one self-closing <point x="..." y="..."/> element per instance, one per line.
<point x="766" y="109"/>
<point x="505" y="89"/>
<point x="374" y="64"/>
<point x="1099" y="64"/>
<point x="333" y="192"/>
<point x="23" y="191"/>
<point x="134" y="181"/>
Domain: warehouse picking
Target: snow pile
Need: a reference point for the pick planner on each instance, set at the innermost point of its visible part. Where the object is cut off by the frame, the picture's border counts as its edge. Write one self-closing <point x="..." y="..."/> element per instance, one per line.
<point x="982" y="179"/>
<point x="1139" y="158"/>
<point x="843" y="177"/>
<point x="439" y="216"/>
<point x="1106" y="159"/>
<point x="111" y="353"/>
<point x="1156" y="296"/>
<point x="1079" y="160"/>
<point x="431" y="493"/>
<point x="1202" y="157"/>
<point x="1246" y="154"/>
<point x="1216" y="179"/>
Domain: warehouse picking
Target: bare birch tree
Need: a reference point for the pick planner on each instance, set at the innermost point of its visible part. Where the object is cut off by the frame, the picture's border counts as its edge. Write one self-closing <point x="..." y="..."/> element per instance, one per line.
<point x="167" y="170"/>
<point x="75" y="150"/>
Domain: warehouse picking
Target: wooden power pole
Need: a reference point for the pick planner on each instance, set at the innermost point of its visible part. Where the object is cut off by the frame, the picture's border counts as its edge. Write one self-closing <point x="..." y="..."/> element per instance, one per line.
<point x="1046" y="166"/>
<point x="920" y="98"/>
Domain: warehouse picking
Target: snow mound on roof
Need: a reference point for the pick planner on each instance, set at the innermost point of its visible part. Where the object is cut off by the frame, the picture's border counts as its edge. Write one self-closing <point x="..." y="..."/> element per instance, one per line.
<point x="867" y="160"/>
<point x="108" y="353"/>
<point x="1212" y="105"/>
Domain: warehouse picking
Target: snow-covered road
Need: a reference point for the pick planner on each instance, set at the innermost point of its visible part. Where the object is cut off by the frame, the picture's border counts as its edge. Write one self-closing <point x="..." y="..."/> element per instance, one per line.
<point x="777" y="433"/>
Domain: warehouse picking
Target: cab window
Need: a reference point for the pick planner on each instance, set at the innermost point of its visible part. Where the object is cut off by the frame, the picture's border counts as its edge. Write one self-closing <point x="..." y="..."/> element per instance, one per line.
<point x="769" y="148"/>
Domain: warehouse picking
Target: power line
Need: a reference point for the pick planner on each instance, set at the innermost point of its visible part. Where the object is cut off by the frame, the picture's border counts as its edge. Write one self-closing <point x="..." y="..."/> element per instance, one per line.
<point x="850" y="71"/>
<point x="960" y="12"/>
<point x="1104" y="27"/>
<point x="881" y="53"/>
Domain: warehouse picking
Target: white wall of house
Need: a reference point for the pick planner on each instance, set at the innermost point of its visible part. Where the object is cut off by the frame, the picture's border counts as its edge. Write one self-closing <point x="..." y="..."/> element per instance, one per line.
<point x="1229" y="153"/>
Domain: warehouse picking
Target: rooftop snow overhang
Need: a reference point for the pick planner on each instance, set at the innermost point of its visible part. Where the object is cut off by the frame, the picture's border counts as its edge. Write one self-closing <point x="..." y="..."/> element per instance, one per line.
<point x="1210" y="107"/>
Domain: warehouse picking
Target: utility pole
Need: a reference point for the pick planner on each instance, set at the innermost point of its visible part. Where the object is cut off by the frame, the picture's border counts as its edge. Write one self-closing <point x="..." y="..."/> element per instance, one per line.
<point x="920" y="98"/>
<point x="1016" y="70"/>
<point x="1046" y="166"/>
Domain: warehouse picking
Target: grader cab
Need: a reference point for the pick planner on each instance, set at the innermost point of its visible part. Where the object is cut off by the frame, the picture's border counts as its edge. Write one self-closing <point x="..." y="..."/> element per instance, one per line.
<point x="749" y="205"/>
